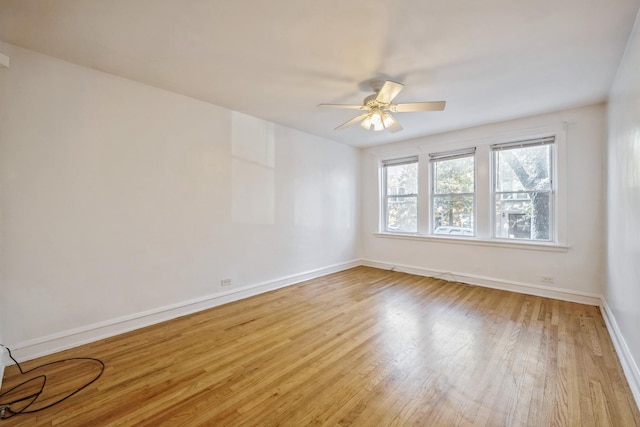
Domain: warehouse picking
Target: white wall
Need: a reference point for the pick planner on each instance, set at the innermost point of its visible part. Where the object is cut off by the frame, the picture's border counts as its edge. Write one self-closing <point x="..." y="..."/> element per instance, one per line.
<point x="120" y="199"/>
<point x="577" y="271"/>
<point x="622" y="285"/>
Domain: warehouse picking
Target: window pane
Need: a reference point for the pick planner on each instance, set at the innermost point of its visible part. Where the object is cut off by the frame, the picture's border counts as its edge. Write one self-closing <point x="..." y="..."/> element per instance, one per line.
<point x="518" y="218"/>
<point x="402" y="179"/>
<point x="453" y="212"/>
<point x="525" y="168"/>
<point x="454" y="176"/>
<point x="524" y="200"/>
<point x="453" y="215"/>
<point x="401" y="200"/>
<point x="402" y="214"/>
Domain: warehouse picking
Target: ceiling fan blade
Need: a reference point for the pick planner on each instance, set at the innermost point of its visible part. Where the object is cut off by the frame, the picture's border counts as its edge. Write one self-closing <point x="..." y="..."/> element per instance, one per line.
<point x="344" y="106"/>
<point x="353" y="121"/>
<point x="417" y="106"/>
<point x="388" y="91"/>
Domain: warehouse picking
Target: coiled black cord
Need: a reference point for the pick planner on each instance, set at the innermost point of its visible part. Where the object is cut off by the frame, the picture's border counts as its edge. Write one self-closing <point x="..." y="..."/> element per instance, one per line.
<point x="5" y="407"/>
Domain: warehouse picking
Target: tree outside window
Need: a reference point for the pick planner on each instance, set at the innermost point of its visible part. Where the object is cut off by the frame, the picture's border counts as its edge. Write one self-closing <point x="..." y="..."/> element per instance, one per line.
<point x="401" y="195"/>
<point x="453" y="194"/>
<point x="523" y="195"/>
<point x="518" y="199"/>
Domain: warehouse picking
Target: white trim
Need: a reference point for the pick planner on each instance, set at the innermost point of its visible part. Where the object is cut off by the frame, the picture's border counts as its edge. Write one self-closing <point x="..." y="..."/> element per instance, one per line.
<point x="54" y="343"/>
<point x="72" y="338"/>
<point x="629" y="365"/>
<point x="492" y="282"/>
<point x="483" y="189"/>
<point x="476" y="241"/>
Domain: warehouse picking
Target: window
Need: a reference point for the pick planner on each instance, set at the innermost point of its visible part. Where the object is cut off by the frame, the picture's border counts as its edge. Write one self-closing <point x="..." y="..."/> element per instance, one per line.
<point x="487" y="191"/>
<point x="523" y="195"/>
<point x="400" y="195"/>
<point x="453" y="192"/>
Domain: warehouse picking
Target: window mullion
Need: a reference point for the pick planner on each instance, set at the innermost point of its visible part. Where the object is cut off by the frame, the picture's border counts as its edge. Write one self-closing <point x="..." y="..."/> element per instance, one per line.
<point x="424" y="195"/>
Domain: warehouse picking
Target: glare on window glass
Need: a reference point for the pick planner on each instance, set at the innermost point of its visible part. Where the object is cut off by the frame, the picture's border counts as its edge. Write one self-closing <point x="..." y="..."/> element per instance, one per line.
<point x="524" y="168"/>
<point x="401" y="198"/>
<point x="523" y="193"/>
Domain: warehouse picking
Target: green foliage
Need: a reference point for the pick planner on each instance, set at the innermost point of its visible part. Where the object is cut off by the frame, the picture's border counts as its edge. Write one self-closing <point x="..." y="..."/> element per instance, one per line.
<point x="453" y="178"/>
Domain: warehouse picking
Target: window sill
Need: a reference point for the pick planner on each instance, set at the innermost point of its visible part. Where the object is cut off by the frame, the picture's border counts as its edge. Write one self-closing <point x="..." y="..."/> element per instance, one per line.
<point x="474" y="241"/>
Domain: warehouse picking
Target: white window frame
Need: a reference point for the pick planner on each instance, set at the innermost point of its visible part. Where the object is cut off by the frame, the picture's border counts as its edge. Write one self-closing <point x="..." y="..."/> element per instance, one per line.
<point x="495" y="149"/>
<point x="444" y="156"/>
<point x="484" y="221"/>
<point x="384" y="164"/>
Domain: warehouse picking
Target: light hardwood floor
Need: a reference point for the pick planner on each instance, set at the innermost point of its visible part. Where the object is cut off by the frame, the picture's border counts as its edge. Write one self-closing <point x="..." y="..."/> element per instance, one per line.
<point x="363" y="347"/>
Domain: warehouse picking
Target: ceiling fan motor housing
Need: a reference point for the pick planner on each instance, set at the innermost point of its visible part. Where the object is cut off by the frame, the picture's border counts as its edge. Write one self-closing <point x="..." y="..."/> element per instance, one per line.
<point x="370" y="101"/>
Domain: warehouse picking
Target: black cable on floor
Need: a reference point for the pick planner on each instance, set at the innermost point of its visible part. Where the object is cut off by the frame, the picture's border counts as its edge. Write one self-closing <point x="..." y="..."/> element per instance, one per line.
<point x="5" y="407"/>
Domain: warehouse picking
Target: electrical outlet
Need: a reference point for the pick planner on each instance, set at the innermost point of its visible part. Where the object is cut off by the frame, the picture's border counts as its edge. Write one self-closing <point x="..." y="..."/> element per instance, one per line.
<point x="546" y="279"/>
<point x="225" y="282"/>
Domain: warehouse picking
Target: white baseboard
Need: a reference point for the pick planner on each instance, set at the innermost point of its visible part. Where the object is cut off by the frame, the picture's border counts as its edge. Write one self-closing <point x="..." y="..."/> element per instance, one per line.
<point x="629" y="365"/>
<point x="75" y="337"/>
<point x="54" y="343"/>
<point x="491" y="282"/>
<point x="42" y="346"/>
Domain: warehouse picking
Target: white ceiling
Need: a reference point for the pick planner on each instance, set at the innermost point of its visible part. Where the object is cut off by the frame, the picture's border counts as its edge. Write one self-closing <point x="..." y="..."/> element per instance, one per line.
<point x="491" y="60"/>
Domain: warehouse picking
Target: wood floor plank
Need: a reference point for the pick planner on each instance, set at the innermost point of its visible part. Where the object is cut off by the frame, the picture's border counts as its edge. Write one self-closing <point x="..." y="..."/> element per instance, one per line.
<point x="361" y="347"/>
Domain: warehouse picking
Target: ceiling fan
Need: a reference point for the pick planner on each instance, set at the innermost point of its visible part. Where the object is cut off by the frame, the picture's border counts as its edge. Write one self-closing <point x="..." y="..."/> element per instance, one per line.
<point x="377" y="108"/>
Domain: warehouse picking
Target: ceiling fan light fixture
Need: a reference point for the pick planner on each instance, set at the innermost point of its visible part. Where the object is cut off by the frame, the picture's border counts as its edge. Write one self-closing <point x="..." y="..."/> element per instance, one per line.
<point x="376" y="121"/>
<point x="366" y="123"/>
<point x="388" y="120"/>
